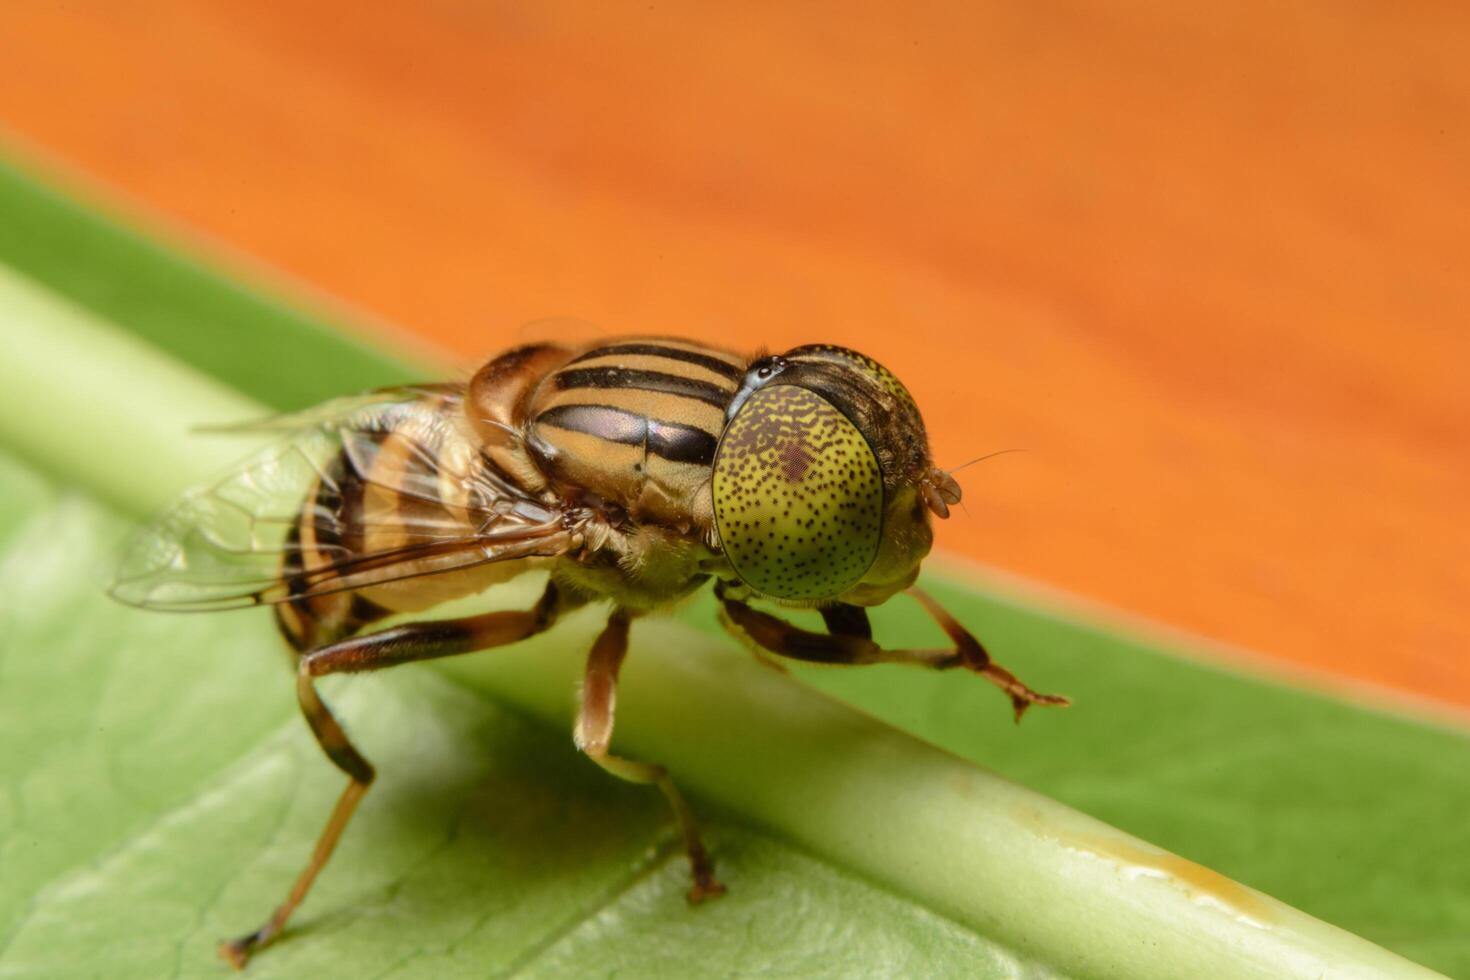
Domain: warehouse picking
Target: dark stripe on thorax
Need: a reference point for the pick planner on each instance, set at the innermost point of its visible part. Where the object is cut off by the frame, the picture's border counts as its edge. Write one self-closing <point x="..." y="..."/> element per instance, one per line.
<point x="707" y="361"/>
<point x="665" y="384"/>
<point x="667" y="440"/>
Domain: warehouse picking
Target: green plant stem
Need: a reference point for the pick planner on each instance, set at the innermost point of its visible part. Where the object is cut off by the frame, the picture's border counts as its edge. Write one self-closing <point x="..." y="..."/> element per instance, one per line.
<point x="113" y="414"/>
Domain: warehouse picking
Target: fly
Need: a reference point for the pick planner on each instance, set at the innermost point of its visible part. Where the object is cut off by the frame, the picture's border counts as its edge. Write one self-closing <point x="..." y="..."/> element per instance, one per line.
<point x="632" y="471"/>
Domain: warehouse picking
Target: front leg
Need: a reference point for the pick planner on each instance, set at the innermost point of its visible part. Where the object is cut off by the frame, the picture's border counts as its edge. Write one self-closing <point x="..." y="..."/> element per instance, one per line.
<point x="849" y="642"/>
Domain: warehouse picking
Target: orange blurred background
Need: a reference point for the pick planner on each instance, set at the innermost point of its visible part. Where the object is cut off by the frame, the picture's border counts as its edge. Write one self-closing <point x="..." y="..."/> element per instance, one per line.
<point x="1206" y="266"/>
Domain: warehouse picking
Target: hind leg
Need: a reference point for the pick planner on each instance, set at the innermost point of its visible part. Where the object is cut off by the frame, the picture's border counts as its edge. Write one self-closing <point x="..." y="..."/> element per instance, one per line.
<point x="374" y="651"/>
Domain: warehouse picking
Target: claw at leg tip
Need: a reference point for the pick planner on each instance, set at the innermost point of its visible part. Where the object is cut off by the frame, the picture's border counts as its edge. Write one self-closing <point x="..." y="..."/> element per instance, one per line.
<point x="702" y="891"/>
<point x="234" y="954"/>
<point x="1022" y="702"/>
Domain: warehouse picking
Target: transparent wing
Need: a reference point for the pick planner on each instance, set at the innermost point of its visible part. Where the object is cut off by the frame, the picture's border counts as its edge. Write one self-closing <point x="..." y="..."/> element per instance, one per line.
<point x="383" y="487"/>
<point x="336" y="410"/>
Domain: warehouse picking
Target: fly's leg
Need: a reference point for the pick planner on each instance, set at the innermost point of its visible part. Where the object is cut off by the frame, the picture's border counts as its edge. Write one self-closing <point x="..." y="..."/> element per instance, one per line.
<point x="344" y="755"/>
<point x="850" y="642"/>
<point x="973" y="656"/>
<point x="374" y="651"/>
<point x="594" y="733"/>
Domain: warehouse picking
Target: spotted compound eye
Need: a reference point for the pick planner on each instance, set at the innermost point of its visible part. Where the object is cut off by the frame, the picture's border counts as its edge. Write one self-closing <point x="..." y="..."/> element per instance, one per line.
<point x="798" y="496"/>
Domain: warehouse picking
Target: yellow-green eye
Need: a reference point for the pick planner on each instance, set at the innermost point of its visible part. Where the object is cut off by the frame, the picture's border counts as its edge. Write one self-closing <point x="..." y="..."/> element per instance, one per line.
<point x="798" y="496"/>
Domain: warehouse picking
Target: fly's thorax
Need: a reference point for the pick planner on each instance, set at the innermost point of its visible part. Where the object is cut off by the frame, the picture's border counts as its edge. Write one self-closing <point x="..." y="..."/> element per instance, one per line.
<point x="818" y="481"/>
<point x="635" y="422"/>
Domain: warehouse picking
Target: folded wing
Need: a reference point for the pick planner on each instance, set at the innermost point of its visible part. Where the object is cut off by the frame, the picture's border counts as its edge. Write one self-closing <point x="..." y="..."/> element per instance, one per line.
<point x="358" y="492"/>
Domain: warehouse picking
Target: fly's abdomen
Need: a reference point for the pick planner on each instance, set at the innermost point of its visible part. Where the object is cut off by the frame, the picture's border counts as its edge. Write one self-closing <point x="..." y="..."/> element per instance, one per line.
<point x="636" y="421"/>
<point x="322" y="536"/>
<point x="402" y="485"/>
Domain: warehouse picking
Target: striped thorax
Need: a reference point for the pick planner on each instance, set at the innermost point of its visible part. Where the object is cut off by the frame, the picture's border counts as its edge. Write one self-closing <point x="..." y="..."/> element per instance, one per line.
<point x="636" y="423"/>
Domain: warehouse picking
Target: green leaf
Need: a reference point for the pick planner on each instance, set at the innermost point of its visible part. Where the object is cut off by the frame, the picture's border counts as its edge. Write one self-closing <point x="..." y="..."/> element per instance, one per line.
<point x="158" y="792"/>
<point x="161" y="793"/>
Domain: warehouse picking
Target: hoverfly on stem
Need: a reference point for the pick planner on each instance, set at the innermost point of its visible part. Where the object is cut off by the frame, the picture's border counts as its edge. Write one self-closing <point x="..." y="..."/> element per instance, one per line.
<point x="633" y="470"/>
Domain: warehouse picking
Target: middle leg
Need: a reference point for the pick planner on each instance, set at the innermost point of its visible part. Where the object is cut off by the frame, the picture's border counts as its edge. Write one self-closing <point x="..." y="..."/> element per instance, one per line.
<point x="593" y="735"/>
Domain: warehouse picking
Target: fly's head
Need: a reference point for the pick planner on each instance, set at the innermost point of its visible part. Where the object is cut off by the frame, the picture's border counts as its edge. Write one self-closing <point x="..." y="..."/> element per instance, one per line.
<point x="823" y="487"/>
